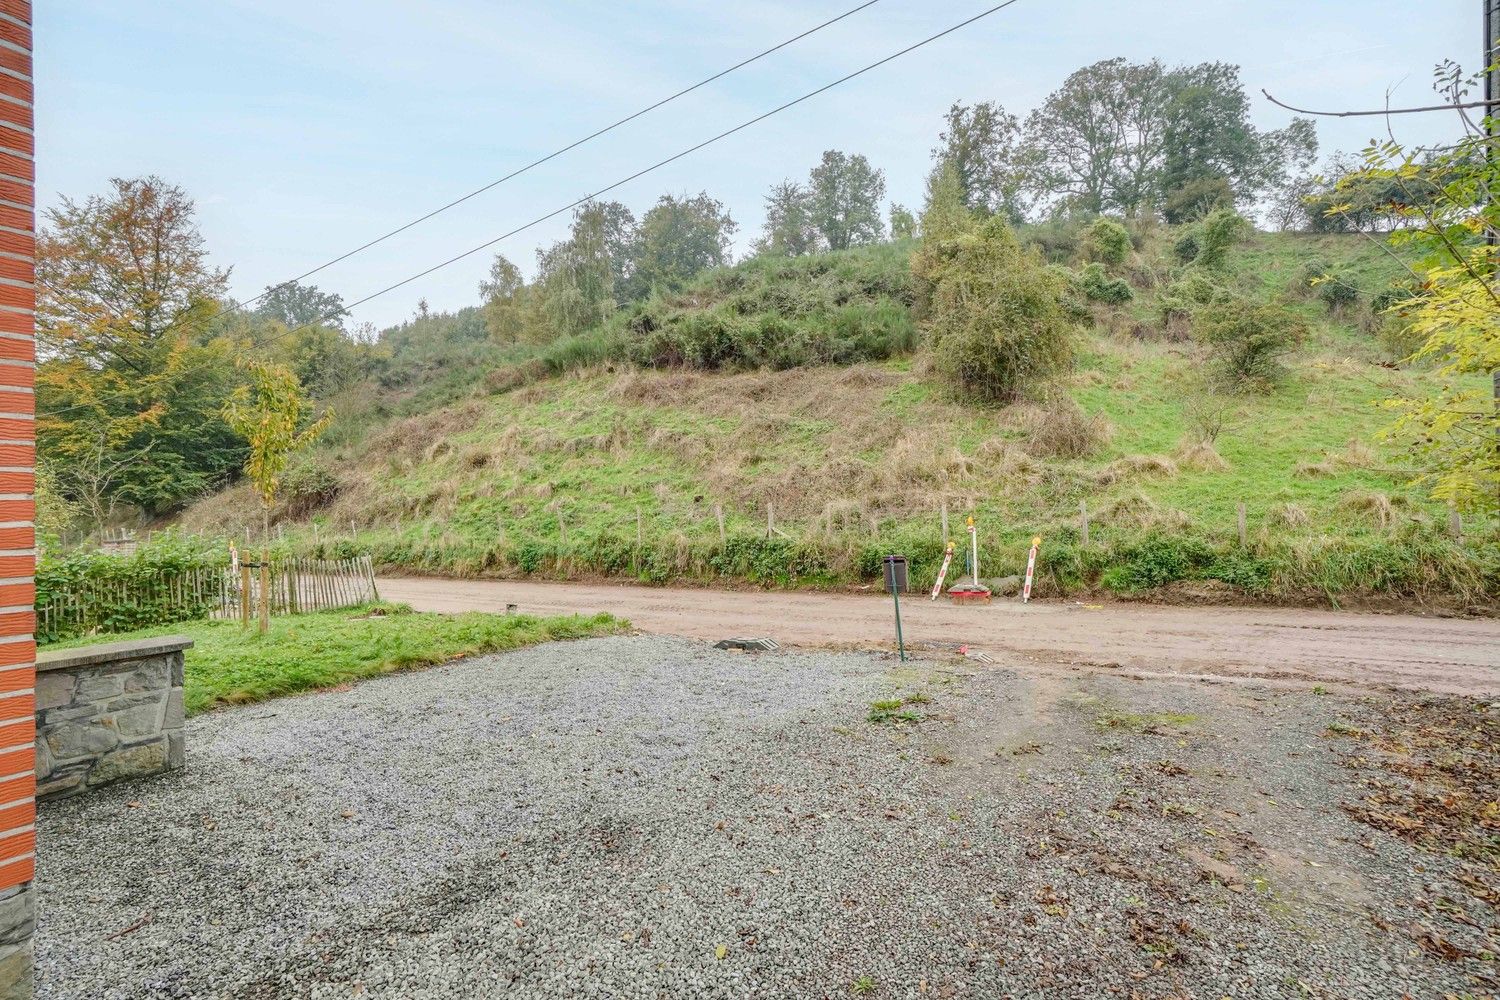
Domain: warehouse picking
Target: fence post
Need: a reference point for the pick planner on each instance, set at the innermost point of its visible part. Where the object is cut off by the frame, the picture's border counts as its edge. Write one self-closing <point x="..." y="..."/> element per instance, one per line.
<point x="719" y="516"/>
<point x="1456" y="525"/>
<point x="291" y="571"/>
<point x="945" y="522"/>
<point x="1083" y="514"/>
<point x="265" y="591"/>
<point x="1240" y="519"/>
<point x="770" y="519"/>
<point x="244" y="594"/>
<point x="370" y="569"/>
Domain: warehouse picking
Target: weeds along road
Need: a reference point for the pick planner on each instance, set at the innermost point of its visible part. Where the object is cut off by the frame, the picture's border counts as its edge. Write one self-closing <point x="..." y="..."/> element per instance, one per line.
<point x="1445" y="655"/>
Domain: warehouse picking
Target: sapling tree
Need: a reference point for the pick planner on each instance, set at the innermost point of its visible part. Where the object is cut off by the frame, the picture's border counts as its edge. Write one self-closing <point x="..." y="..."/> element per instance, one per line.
<point x="270" y="413"/>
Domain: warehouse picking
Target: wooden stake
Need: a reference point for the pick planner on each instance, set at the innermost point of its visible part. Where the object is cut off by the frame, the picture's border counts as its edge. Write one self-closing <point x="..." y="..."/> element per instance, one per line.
<point x="1456" y="525"/>
<point x="770" y="519"/>
<point x="1083" y="514"/>
<point x="265" y="591"/>
<point x="945" y="522"/>
<point x="244" y="595"/>
<point x="719" y="516"/>
<point x="1240" y="518"/>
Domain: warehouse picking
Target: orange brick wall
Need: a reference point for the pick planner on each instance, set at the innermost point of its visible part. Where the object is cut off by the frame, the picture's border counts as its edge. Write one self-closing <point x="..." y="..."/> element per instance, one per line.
<point x="17" y="447"/>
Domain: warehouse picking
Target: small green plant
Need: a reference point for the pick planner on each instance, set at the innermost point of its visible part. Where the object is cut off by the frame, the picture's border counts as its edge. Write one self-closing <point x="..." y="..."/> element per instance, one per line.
<point x="864" y="984"/>
<point x="1142" y="722"/>
<point x="884" y="710"/>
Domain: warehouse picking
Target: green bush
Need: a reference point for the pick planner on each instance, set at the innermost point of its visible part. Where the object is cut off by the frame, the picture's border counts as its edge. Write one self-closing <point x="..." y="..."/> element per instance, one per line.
<point x="124" y="592"/>
<point x="1217" y="234"/>
<point x="1109" y="242"/>
<point x="1247" y="341"/>
<point x="1338" y="291"/>
<point x="994" y="313"/>
<point x="1100" y="287"/>
<point x="1186" y="247"/>
<point x="1185" y="295"/>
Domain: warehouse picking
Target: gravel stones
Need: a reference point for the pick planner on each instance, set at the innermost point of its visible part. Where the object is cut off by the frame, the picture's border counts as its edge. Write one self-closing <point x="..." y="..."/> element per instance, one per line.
<point x="638" y="817"/>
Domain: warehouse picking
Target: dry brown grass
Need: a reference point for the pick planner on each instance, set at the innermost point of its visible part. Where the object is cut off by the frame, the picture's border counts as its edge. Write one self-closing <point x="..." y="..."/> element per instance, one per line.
<point x="1380" y="508"/>
<point x="1061" y="429"/>
<point x="1287" y="516"/>
<point x="1315" y="470"/>
<point x="1132" y="466"/>
<point x="1138" y="512"/>
<point x="1201" y="455"/>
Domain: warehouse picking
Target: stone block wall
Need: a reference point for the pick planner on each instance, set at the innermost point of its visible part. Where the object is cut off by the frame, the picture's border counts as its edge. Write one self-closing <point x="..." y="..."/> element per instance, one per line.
<point x="108" y="712"/>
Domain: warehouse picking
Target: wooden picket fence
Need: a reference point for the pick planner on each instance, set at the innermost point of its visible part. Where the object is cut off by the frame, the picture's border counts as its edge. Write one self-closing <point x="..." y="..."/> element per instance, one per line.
<point x="291" y="586"/>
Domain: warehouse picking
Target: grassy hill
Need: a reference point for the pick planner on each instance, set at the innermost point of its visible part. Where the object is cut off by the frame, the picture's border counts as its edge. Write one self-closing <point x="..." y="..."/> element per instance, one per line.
<point x="798" y="386"/>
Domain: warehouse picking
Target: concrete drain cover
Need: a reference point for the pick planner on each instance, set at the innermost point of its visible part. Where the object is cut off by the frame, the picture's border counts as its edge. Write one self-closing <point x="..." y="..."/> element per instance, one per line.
<point x="758" y="644"/>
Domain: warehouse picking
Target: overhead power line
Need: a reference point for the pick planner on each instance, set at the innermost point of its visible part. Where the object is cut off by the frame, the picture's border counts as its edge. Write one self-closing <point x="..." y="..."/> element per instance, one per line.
<point x="656" y="166"/>
<point x="343" y="310"/>
<point x="556" y="153"/>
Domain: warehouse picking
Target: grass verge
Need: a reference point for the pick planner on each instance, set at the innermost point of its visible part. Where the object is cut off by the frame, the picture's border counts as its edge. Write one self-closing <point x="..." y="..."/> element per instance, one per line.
<point x="231" y="666"/>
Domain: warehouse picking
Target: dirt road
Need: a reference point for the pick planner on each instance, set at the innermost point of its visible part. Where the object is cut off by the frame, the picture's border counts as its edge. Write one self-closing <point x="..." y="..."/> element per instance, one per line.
<point x="1457" y="656"/>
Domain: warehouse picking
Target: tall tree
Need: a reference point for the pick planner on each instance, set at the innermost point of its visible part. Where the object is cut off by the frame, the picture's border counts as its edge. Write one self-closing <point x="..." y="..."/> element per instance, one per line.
<point x="1209" y="135"/>
<point x="583" y="279"/>
<point x="788" y="228"/>
<point x="1138" y="137"/>
<point x="1096" y="142"/>
<point x="293" y="304"/>
<point x="678" y="238"/>
<point x="129" y="368"/>
<point x="504" y="310"/>
<point x="983" y="144"/>
<point x="844" y="197"/>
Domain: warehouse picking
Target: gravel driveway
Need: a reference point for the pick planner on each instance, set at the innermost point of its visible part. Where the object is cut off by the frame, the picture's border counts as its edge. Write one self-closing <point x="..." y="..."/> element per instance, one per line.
<point x="648" y="817"/>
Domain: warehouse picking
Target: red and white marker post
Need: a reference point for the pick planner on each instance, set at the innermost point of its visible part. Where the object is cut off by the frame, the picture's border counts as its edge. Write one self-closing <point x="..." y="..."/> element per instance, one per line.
<point x="937" y="588"/>
<point x="1030" y="569"/>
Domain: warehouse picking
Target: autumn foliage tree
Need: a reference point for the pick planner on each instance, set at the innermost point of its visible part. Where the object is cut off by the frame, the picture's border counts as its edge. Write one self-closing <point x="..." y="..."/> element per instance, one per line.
<point x="1450" y="219"/>
<point x="130" y="380"/>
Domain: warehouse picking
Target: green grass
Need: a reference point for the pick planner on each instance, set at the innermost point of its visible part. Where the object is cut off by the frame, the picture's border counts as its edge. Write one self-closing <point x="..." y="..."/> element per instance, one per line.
<point x="549" y="479"/>
<point x="229" y="665"/>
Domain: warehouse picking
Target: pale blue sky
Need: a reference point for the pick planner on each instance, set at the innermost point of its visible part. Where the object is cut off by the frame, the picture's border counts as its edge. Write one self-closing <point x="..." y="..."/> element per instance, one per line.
<point x="305" y="127"/>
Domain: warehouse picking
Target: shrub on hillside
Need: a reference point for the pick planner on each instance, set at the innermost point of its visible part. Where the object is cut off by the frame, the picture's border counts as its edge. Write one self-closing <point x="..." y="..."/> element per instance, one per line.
<point x="1061" y="429"/>
<point x="1109" y="242"/>
<point x="1100" y="287"/>
<point x="1217" y="234"/>
<point x="1185" y="248"/>
<point x="1059" y="240"/>
<point x="836" y="308"/>
<point x="1184" y="296"/>
<point x="1248" y="341"/>
<point x="994" y="313"/>
<point x="1338" y="292"/>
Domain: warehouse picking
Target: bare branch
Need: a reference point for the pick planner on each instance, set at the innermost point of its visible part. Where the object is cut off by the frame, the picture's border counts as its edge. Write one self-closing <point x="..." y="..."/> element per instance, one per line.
<point x="1382" y="111"/>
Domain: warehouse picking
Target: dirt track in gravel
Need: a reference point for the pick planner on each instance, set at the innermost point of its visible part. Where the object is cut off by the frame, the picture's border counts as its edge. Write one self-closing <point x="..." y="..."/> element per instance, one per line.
<point x="1448" y="655"/>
